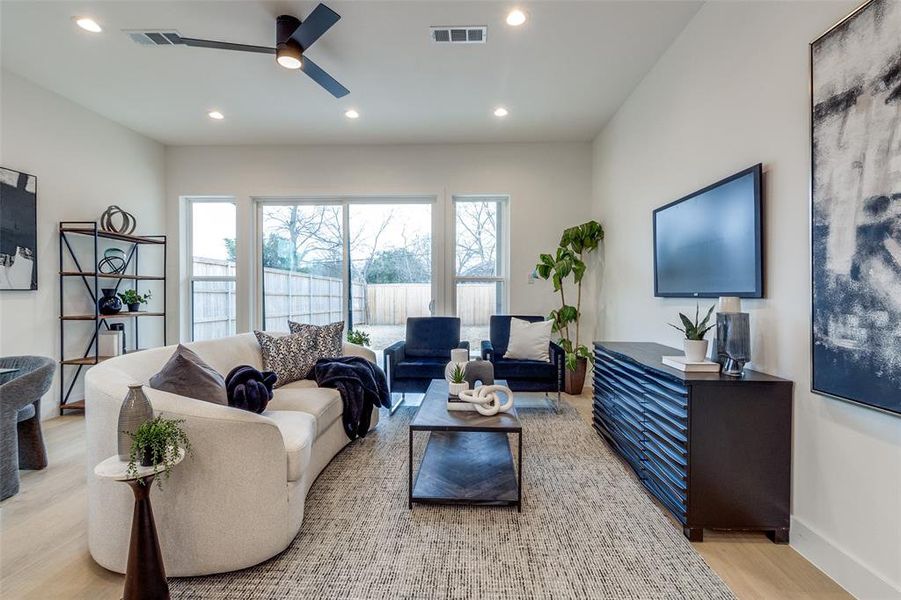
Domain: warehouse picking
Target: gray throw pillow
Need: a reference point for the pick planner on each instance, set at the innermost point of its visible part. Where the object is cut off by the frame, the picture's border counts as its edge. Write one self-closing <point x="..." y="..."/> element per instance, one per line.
<point x="186" y="374"/>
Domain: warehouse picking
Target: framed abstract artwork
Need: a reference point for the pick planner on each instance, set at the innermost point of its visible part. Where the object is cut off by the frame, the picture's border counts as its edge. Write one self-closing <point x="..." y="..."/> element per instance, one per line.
<point x="18" y="231"/>
<point x="855" y="71"/>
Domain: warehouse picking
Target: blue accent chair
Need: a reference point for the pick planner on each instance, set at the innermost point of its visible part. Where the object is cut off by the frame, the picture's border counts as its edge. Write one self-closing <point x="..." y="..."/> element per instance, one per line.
<point x="413" y="363"/>
<point x="523" y="375"/>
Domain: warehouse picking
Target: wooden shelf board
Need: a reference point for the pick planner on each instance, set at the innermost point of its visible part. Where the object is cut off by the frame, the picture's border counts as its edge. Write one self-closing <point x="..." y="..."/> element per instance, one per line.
<point x="134" y="239"/>
<point x="73" y="405"/>
<point x="111" y="275"/>
<point x="120" y="315"/>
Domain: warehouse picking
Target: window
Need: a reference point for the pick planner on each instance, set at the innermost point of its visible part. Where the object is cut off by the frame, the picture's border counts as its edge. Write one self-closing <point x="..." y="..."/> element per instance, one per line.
<point x="211" y="227"/>
<point x="364" y="261"/>
<point x="480" y="272"/>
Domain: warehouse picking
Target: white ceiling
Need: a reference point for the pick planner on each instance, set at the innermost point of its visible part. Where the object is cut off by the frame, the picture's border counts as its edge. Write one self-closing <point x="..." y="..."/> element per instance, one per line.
<point x="561" y="75"/>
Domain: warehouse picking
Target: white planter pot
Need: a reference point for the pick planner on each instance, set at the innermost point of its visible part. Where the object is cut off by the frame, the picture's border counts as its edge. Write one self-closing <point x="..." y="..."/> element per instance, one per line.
<point x="455" y="388"/>
<point x="695" y="350"/>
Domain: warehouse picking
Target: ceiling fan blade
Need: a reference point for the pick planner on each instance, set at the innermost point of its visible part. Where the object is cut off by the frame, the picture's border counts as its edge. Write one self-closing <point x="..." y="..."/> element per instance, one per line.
<point x="197" y="43"/>
<point x="318" y="22"/>
<point x="322" y="78"/>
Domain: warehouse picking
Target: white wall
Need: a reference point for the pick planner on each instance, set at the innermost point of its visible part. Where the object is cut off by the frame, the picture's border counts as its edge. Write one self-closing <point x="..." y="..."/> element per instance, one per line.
<point x="549" y="187"/>
<point x="83" y="163"/>
<point x="730" y="92"/>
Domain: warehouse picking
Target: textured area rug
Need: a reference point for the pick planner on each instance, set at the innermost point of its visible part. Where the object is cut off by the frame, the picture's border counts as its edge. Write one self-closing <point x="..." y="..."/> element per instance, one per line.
<point x="587" y="530"/>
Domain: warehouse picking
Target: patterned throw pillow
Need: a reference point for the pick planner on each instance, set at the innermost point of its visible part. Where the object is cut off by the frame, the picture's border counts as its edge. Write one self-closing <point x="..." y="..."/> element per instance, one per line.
<point x="328" y="339"/>
<point x="293" y="356"/>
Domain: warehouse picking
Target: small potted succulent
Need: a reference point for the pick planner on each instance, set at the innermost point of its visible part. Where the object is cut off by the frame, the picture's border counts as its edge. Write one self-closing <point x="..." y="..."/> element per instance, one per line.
<point x="694" y="344"/>
<point x="358" y="337"/>
<point x="134" y="300"/>
<point x="457" y="382"/>
<point x="157" y="443"/>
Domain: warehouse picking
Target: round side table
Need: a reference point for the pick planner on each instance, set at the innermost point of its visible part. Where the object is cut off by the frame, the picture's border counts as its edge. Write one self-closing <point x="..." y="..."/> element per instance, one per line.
<point x="145" y="575"/>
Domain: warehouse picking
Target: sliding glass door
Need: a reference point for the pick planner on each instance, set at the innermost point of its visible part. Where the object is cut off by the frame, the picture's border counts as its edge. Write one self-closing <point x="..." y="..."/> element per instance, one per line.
<point x="302" y="251"/>
<point x="367" y="262"/>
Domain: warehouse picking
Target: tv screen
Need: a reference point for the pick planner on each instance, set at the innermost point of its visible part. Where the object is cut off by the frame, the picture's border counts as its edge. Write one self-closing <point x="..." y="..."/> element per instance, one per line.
<point x="708" y="244"/>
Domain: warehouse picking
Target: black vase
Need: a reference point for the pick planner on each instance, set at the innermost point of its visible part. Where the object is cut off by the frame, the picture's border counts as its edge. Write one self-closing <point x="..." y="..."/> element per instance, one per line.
<point x="109" y="304"/>
<point x="147" y="457"/>
<point x="134" y="307"/>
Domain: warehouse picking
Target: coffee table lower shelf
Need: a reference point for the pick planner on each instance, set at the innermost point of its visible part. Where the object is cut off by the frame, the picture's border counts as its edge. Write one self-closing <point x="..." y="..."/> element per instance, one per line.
<point x="467" y="467"/>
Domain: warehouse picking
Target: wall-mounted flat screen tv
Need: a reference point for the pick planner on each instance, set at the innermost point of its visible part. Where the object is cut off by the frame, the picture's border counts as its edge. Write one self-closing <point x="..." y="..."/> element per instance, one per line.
<point x="709" y="243"/>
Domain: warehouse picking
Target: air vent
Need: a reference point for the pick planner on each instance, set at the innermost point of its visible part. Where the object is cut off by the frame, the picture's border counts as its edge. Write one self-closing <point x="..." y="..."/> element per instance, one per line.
<point x="166" y="37"/>
<point x="459" y="35"/>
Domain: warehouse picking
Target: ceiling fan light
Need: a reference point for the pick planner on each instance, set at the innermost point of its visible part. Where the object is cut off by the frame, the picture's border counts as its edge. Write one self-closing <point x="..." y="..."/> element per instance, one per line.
<point x="288" y="55"/>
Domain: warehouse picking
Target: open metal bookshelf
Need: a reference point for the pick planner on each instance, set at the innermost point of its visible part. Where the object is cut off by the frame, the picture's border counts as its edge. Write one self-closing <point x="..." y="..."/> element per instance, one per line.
<point x="91" y="279"/>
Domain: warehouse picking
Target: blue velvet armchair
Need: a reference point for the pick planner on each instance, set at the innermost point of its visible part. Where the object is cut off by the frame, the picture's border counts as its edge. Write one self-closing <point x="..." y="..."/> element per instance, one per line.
<point x="411" y="364"/>
<point x="523" y="375"/>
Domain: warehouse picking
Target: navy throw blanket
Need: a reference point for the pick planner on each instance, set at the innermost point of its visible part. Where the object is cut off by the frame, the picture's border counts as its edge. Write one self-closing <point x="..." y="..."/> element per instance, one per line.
<point x="362" y="385"/>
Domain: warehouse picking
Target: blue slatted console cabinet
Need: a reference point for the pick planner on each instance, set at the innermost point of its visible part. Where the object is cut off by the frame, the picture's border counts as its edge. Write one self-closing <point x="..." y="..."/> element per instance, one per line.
<point x="714" y="450"/>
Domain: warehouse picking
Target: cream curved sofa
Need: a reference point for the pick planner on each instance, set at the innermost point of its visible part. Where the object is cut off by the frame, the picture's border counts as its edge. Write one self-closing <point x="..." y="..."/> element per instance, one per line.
<point x="239" y="498"/>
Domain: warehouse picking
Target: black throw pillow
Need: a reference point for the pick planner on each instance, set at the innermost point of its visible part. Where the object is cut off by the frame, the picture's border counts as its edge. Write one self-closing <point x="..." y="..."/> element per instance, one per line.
<point x="249" y="389"/>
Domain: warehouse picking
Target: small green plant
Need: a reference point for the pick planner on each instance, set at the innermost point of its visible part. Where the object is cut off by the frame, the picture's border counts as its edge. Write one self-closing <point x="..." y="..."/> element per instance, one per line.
<point x="157" y="442"/>
<point x="693" y="330"/>
<point x="360" y="338"/>
<point x="458" y="375"/>
<point x="133" y="297"/>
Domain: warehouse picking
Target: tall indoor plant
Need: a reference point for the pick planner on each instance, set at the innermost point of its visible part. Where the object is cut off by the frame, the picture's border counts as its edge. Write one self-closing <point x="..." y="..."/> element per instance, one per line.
<point x="569" y="261"/>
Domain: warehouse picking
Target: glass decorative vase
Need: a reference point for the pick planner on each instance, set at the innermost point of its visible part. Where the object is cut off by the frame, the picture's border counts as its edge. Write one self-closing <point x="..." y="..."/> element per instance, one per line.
<point x="135" y="410"/>
<point x="109" y="303"/>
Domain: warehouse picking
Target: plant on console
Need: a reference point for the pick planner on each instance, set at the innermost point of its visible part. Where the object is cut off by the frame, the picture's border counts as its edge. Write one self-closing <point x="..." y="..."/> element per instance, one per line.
<point x="694" y="344"/>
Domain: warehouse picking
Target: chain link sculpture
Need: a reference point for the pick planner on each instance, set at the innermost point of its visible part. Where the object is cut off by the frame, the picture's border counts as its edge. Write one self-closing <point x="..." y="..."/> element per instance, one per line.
<point x="485" y="399"/>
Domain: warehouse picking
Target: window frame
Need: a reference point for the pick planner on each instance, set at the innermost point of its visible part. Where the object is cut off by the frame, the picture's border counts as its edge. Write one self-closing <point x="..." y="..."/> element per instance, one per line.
<point x="345" y="202"/>
<point x="502" y="250"/>
<point x="190" y="202"/>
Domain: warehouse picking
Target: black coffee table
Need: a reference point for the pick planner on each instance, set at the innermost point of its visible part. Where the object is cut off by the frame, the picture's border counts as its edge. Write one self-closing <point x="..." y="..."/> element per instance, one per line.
<point x="468" y="459"/>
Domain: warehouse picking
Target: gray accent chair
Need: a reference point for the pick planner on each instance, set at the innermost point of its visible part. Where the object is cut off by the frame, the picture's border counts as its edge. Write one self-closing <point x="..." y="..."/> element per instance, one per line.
<point x="21" y="440"/>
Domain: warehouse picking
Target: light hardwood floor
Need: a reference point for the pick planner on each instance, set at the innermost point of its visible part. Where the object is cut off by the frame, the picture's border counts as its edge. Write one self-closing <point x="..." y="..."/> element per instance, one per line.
<point x="43" y="538"/>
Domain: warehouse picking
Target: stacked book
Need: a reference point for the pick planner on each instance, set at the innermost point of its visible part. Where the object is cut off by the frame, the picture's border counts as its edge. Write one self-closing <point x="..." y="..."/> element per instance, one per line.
<point x="683" y="364"/>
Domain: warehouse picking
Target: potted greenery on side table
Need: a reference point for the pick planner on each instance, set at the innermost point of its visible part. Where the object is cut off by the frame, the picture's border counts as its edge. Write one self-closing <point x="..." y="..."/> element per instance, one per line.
<point x="569" y="262"/>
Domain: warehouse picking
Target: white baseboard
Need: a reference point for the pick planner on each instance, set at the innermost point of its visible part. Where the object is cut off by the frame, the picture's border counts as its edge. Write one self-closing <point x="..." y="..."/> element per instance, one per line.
<point x="845" y="569"/>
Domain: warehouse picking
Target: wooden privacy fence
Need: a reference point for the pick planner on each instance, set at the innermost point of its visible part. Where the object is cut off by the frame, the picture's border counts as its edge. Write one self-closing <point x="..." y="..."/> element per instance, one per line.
<point x="313" y="299"/>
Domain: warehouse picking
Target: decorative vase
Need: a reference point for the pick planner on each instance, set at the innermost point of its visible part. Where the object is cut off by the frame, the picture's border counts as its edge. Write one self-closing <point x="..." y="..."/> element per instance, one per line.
<point x="135" y="307"/>
<point x="479" y="372"/>
<point x="574" y="381"/>
<point x="459" y="356"/>
<point x="695" y="350"/>
<point x="109" y="303"/>
<point x="733" y="341"/>
<point x="135" y="410"/>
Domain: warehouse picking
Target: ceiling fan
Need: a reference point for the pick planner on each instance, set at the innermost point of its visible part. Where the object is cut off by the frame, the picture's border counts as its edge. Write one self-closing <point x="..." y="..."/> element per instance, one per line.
<point x="292" y="39"/>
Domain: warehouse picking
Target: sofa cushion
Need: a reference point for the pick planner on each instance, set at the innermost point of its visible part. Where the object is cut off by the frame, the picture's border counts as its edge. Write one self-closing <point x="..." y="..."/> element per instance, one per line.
<point x="325" y="341"/>
<point x="421" y="368"/>
<point x="298" y="431"/>
<point x="186" y="374"/>
<point x="505" y="368"/>
<point x="323" y="404"/>
<point x="290" y="356"/>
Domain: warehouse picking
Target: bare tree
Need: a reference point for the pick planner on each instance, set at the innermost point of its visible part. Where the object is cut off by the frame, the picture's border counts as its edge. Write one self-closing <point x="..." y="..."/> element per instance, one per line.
<point x="476" y="238"/>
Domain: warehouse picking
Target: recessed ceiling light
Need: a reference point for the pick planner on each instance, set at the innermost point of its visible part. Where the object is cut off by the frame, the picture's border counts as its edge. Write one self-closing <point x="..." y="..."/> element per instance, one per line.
<point x="88" y="24"/>
<point x="215" y="114"/>
<point x="516" y="18"/>
<point x="352" y="114"/>
<point x="500" y="111"/>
